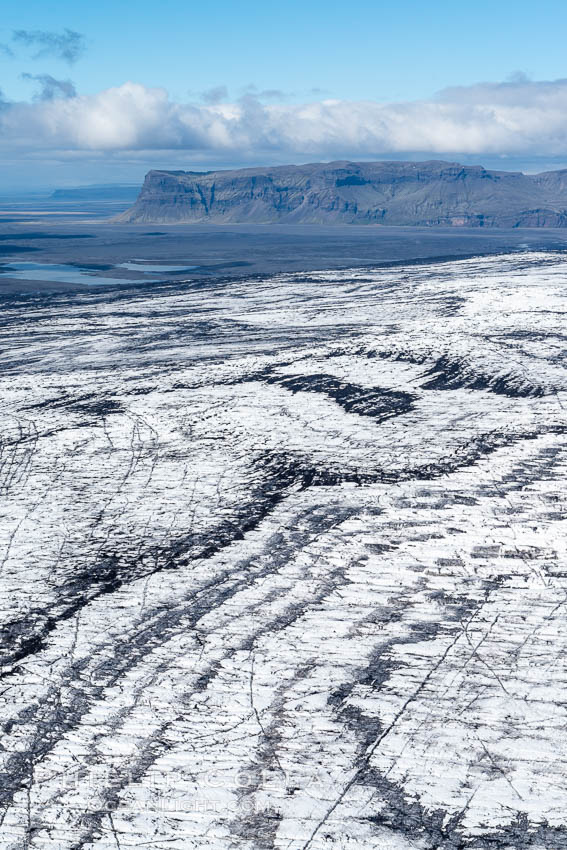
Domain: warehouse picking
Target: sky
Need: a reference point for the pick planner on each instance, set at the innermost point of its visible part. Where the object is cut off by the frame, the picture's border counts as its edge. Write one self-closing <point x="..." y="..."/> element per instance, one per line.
<point x="101" y="92"/>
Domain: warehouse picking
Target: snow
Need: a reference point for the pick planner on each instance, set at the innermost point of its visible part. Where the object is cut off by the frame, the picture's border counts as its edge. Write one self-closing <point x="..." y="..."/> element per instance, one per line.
<point x="249" y="602"/>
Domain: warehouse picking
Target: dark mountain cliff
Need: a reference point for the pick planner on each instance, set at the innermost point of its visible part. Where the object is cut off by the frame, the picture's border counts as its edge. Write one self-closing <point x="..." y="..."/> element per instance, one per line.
<point x="389" y="193"/>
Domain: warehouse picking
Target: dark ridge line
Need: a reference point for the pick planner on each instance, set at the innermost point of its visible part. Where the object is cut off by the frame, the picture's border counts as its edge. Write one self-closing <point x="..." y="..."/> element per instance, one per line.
<point x="408" y="816"/>
<point x="376" y="672"/>
<point x="140" y="646"/>
<point x="447" y="373"/>
<point x="364" y="763"/>
<point x="279" y="623"/>
<point x="110" y="576"/>
<point x="418" y="823"/>
<point x="292" y="472"/>
<point x="126" y="656"/>
<point x="376" y="402"/>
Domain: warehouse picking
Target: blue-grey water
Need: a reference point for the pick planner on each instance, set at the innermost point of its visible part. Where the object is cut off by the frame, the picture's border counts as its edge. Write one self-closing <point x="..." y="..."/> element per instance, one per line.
<point x="141" y="266"/>
<point x="65" y="273"/>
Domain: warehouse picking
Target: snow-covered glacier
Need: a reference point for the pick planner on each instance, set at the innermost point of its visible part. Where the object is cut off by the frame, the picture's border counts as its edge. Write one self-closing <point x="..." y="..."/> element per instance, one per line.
<point x="283" y="561"/>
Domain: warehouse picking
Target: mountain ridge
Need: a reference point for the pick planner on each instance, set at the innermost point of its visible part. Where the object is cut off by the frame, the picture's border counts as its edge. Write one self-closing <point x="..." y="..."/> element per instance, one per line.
<point x="430" y="193"/>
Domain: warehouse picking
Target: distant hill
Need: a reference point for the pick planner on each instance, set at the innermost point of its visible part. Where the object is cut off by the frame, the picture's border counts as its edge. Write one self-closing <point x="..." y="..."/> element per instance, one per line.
<point x="431" y="193"/>
<point x="104" y="192"/>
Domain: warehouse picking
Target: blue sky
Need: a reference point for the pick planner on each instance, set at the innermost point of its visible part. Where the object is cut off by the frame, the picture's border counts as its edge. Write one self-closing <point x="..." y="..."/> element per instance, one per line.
<point x="272" y="55"/>
<point x="361" y="50"/>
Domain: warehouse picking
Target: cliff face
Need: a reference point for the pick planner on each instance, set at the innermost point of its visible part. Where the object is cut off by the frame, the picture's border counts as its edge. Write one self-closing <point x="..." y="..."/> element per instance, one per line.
<point x="388" y="193"/>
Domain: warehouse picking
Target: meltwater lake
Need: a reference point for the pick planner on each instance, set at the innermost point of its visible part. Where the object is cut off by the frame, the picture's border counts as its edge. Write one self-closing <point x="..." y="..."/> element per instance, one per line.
<point x="95" y="275"/>
<point x="56" y="256"/>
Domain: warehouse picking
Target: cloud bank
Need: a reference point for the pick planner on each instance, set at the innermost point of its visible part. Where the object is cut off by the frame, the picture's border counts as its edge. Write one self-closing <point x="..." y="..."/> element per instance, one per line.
<point x="514" y="118"/>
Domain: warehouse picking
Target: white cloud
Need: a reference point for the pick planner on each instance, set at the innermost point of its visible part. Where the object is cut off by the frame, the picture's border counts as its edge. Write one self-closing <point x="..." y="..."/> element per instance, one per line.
<point x="517" y="118"/>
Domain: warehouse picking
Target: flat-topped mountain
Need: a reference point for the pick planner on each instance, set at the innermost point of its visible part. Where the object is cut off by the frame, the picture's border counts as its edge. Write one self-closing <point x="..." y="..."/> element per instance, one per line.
<point x="388" y="193"/>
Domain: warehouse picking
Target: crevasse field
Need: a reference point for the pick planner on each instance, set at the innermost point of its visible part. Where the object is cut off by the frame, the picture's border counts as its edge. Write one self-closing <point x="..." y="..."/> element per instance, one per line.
<point x="283" y="562"/>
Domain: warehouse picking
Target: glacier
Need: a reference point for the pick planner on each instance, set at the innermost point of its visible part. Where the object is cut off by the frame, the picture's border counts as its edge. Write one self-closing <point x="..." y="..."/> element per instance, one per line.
<point x="283" y="561"/>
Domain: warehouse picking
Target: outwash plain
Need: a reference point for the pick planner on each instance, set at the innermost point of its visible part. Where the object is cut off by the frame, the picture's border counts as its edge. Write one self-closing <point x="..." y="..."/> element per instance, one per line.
<point x="283" y="538"/>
